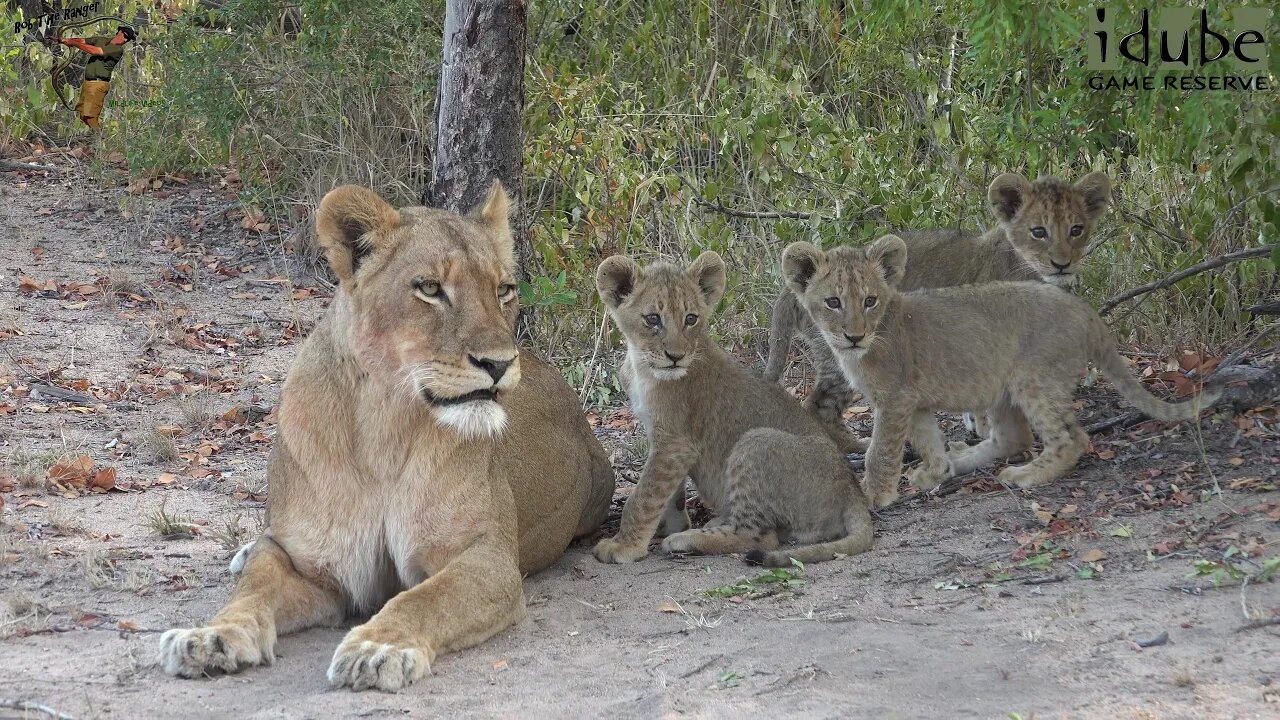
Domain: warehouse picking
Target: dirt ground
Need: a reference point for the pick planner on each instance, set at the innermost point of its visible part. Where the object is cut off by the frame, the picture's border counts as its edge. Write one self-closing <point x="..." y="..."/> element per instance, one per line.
<point x="173" y="319"/>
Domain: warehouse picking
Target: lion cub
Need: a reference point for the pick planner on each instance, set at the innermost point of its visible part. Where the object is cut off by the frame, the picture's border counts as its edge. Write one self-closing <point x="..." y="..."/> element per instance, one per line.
<point x="1004" y="346"/>
<point x="759" y="460"/>
<point x="1042" y="230"/>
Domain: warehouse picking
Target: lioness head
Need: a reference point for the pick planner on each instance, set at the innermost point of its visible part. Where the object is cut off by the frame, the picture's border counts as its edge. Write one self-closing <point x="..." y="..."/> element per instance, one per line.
<point x="427" y="300"/>
<point x="662" y="310"/>
<point x="1049" y="221"/>
<point x="845" y="290"/>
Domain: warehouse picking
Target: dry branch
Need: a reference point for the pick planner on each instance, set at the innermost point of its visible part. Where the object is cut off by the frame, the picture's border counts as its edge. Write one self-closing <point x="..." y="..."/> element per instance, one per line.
<point x="28" y="706"/>
<point x="762" y="214"/>
<point x="1181" y="275"/>
<point x="13" y="165"/>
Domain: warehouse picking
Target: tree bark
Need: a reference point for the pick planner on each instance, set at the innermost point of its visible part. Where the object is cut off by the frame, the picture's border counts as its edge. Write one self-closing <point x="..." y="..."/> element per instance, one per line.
<point x="479" y="104"/>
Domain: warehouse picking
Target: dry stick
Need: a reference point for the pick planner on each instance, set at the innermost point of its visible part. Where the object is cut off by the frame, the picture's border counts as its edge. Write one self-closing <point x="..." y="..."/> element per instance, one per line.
<point x="1235" y="357"/>
<point x="1199" y="267"/>
<point x="33" y="707"/>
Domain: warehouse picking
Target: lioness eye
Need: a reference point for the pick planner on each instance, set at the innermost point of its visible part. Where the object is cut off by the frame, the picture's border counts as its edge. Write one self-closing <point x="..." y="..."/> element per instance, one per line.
<point x="653" y="320"/>
<point x="1039" y="233"/>
<point x="690" y="320"/>
<point x="833" y="303"/>
<point x="427" y="290"/>
<point x="506" y="293"/>
<point x="870" y="302"/>
<point x="1077" y="230"/>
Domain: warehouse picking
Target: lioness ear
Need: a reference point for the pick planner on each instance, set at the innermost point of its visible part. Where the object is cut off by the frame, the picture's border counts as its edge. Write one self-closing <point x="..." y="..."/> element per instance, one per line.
<point x="616" y="279"/>
<point x="1095" y="188"/>
<point x="708" y="271"/>
<point x="1007" y="194"/>
<point x="495" y="215"/>
<point x="352" y="222"/>
<point x="891" y="252"/>
<point x="800" y="262"/>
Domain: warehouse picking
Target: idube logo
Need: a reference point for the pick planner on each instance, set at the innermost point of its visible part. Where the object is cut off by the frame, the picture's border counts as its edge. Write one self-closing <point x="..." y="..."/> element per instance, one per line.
<point x="1179" y="49"/>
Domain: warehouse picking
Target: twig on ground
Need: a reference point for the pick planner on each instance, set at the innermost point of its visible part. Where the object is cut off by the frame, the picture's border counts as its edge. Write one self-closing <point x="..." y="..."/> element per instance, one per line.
<point x="68" y="395"/>
<point x="1124" y="421"/>
<point x="1044" y="580"/>
<point x="1235" y="357"/>
<point x="28" y="706"/>
<point x="1176" y="277"/>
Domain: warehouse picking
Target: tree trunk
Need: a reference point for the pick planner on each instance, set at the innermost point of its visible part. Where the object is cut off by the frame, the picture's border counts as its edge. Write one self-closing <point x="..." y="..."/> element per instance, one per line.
<point x="478" y="109"/>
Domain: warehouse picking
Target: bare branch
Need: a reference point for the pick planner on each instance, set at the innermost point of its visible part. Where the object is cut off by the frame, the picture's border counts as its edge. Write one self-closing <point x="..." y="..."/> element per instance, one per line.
<point x="874" y="210"/>
<point x="1181" y="275"/>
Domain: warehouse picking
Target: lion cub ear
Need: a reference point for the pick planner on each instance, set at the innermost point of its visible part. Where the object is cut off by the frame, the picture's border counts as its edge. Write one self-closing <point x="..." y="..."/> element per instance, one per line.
<point x="890" y="252"/>
<point x="708" y="271"/>
<point x="1007" y="194"/>
<point x="1095" y="188"/>
<point x="616" y="279"/>
<point x="353" y="222"/>
<point x="800" y="262"/>
<point x="495" y="215"/>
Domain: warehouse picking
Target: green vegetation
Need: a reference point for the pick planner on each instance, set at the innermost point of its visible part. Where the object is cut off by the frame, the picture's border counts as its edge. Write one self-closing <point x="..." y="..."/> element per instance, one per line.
<point x="643" y="118"/>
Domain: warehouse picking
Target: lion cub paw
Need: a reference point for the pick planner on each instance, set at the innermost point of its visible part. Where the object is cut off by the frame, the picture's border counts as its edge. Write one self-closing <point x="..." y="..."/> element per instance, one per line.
<point x="928" y="476"/>
<point x="198" y="651"/>
<point x="682" y="542"/>
<point x="609" y="550"/>
<point x="362" y="664"/>
<point x="1022" y="476"/>
<point x="883" y="498"/>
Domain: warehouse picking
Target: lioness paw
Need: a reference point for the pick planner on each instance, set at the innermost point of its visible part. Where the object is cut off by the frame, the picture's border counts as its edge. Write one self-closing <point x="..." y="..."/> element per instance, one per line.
<point x="198" y="651"/>
<point x="363" y="664"/>
<point x="610" y="550"/>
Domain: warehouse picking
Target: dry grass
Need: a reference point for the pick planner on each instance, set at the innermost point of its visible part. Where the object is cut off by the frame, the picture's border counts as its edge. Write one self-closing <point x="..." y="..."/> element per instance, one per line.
<point x="196" y="410"/>
<point x="169" y="526"/>
<point x="231" y="534"/>
<point x="159" y="446"/>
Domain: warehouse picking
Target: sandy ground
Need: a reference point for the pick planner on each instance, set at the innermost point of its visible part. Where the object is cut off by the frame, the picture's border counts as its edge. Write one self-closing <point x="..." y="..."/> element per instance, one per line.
<point x="986" y="603"/>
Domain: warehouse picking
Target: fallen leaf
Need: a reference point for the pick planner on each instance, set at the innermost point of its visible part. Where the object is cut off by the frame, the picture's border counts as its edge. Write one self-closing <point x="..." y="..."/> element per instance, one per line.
<point x="1093" y="555"/>
<point x="33" y="503"/>
<point x="71" y="472"/>
<point x="1107" y="454"/>
<point x="500" y="665"/>
<point x="668" y="606"/>
<point x="104" y="478"/>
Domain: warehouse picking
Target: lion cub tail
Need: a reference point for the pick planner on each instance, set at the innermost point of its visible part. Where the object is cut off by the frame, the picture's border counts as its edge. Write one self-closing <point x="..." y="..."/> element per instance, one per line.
<point x="1117" y="372"/>
<point x="857" y="541"/>
<point x="787" y="317"/>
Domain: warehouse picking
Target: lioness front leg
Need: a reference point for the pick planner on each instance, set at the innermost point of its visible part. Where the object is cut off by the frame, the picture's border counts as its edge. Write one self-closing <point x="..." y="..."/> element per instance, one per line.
<point x="270" y="599"/>
<point x="472" y="598"/>
<point x="884" y="457"/>
<point x="664" y="472"/>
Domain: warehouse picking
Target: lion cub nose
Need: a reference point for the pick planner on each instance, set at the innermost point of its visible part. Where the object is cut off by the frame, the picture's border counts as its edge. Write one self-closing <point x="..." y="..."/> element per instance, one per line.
<point x="673" y="357"/>
<point x="1061" y="267"/>
<point x="495" y="368"/>
<point x="855" y="339"/>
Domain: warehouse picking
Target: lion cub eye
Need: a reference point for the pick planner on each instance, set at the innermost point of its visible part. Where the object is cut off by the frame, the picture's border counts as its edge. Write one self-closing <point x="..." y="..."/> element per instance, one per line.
<point x="690" y="320"/>
<point x="428" y="291"/>
<point x="870" y="302"/>
<point x="652" y="320"/>
<point x="1039" y="233"/>
<point x="506" y="293"/>
<point x="1077" y="230"/>
<point x="833" y="303"/>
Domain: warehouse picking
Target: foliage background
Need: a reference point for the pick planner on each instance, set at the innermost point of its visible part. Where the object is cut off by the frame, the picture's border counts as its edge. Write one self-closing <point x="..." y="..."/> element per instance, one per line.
<point x="643" y="116"/>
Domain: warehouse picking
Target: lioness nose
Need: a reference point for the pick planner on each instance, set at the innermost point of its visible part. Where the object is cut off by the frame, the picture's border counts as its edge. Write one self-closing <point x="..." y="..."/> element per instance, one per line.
<point x="855" y="339"/>
<point x="673" y="357"/>
<point x="495" y="368"/>
<point x="1061" y="267"/>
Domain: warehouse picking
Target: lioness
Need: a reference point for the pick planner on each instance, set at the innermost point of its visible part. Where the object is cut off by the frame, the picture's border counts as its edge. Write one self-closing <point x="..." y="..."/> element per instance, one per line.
<point x="424" y="463"/>
<point x="998" y="346"/>
<point x="758" y="459"/>
<point x="1042" y="231"/>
